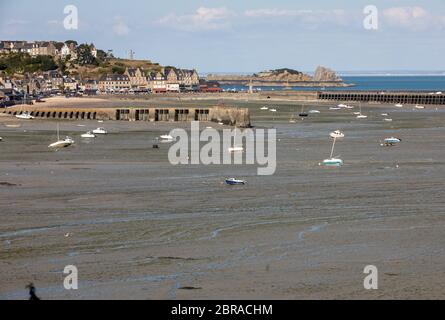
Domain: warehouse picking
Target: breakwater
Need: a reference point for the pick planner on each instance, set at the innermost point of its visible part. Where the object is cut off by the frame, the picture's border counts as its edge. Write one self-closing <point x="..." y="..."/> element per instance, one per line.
<point x="425" y="98"/>
<point x="226" y="115"/>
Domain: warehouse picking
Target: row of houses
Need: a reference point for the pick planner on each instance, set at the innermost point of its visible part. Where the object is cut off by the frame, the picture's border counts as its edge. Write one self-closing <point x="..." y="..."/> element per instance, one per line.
<point x="47" y="48"/>
<point x="168" y="80"/>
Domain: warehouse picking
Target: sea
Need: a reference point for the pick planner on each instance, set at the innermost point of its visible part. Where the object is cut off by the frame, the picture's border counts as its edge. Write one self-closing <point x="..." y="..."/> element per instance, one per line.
<point x="430" y="83"/>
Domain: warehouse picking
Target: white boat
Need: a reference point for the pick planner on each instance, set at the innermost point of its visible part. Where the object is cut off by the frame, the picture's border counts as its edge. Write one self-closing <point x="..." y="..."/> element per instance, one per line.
<point x="61" y="143"/>
<point x="234" y="181"/>
<point x="100" y="131"/>
<point x="334" y="108"/>
<point x="349" y="107"/>
<point x="419" y="107"/>
<point x="332" y="161"/>
<point x="337" y="134"/>
<point x="356" y="113"/>
<point x="264" y="108"/>
<point x="387" y="119"/>
<point x="166" y="137"/>
<point x="314" y="111"/>
<point x="273" y="110"/>
<point x="384" y="114"/>
<point x="342" y="105"/>
<point x="235" y="148"/>
<point x="361" y="116"/>
<point x="25" y="116"/>
<point x="391" y="141"/>
<point x="399" y="105"/>
<point x="89" y="134"/>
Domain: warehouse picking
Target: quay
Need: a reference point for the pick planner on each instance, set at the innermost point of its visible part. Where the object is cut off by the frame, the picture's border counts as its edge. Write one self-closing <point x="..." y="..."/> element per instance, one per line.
<point x="424" y="98"/>
<point x="227" y="115"/>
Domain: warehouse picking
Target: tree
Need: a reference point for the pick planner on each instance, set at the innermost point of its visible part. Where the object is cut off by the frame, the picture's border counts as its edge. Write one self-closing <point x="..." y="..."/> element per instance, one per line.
<point x="84" y="55"/>
<point x="68" y="42"/>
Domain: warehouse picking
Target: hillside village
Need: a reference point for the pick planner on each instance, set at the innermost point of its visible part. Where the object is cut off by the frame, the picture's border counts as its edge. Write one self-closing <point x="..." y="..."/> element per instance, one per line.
<point x="48" y="67"/>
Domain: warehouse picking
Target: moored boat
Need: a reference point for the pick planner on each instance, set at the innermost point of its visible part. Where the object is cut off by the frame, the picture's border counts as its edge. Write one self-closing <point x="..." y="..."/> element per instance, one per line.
<point x="234" y="181"/>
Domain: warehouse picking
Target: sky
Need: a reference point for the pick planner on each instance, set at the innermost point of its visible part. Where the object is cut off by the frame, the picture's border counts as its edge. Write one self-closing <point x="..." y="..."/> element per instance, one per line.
<point x="245" y="35"/>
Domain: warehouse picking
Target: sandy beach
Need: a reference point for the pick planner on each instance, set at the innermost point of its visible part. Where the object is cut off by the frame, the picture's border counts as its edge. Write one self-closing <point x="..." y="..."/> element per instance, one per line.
<point x="137" y="227"/>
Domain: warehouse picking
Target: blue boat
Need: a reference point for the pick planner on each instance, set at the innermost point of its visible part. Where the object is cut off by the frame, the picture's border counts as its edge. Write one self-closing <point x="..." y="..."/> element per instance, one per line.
<point x="233" y="181"/>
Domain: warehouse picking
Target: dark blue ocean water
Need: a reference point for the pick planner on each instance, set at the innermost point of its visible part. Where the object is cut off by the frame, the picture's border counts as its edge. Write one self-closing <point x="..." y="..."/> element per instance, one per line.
<point x="409" y="83"/>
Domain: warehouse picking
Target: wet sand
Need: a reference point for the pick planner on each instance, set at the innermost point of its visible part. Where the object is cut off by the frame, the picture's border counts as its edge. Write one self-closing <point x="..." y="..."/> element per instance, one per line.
<point x="139" y="228"/>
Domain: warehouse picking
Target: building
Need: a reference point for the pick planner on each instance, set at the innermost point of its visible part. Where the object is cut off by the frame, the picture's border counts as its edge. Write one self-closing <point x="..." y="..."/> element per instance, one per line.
<point x="114" y="82"/>
<point x="172" y="87"/>
<point x="158" y="82"/>
<point x="45" y="48"/>
<point x="93" y="50"/>
<point x="70" y="84"/>
<point x="137" y="78"/>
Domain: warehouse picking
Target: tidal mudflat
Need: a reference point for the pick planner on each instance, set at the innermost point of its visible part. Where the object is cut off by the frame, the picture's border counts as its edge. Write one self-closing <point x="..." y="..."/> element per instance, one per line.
<point x="137" y="227"/>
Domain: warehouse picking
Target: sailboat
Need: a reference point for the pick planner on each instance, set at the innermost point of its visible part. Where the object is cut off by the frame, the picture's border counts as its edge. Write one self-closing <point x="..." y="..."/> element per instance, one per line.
<point x="25" y="115"/>
<point x="61" y="143"/>
<point x="361" y="116"/>
<point x="303" y="114"/>
<point x="332" y="161"/>
<point x="337" y="134"/>
<point x="235" y="148"/>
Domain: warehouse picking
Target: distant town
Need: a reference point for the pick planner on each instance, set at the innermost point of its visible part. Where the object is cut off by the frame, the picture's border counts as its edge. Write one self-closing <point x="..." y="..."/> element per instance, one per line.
<point x="42" y="68"/>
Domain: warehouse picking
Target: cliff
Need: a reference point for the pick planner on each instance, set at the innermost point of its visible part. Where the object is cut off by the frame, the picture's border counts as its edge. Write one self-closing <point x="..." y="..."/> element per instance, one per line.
<point x="325" y="74"/>
<point x="323" y="77"/>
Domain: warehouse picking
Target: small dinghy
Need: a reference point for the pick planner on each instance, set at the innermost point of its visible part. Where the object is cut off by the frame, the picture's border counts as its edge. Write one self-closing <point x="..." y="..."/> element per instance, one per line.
<point x="399" y="105"/>
<point x="264" y="108"/>
<point x="234" y="181"/>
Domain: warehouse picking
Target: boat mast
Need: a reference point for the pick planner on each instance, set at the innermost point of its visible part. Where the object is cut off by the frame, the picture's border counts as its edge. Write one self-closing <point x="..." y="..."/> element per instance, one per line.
<point x="333" y="146"/>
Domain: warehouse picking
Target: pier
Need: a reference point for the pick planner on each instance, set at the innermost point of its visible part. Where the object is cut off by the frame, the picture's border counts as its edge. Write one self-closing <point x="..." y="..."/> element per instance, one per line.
<point x="424" y="98"/>
<point x="226" y="115"/>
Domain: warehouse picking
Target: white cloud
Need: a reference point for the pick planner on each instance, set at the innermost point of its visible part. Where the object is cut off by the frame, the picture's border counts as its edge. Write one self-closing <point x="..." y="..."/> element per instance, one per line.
<point x="16" y="22"/>
<point x="120" y="28"/>
<point x="258" y="13"/>
<point x="412" y="18"/>
<point x="308" y="19"/>
<point x="203" y="19"/>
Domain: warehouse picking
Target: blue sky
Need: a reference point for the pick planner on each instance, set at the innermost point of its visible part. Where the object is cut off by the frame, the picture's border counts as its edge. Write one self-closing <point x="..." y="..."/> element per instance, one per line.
<point x="245" y="36"/>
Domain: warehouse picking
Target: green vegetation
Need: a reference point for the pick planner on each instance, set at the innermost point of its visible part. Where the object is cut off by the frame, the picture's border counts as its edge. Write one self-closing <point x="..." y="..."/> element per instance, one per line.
<point x="85" y="65"/>
<point x="21" y="63"/>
